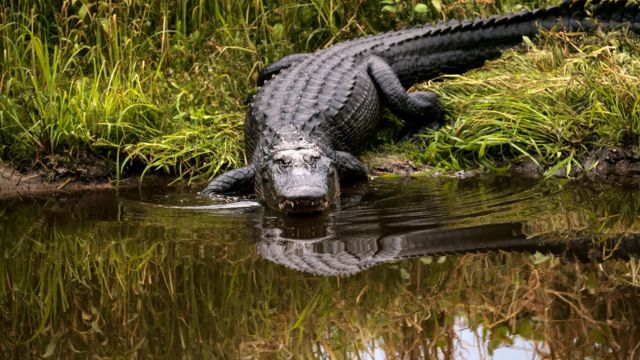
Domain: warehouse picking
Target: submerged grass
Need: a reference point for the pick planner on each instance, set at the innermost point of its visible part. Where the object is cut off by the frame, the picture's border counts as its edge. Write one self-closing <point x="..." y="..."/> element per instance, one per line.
<point x="103" y="276"/>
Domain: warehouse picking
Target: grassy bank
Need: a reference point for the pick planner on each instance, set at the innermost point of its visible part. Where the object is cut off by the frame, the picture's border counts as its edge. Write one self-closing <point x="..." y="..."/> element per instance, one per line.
<point x="158" y="86"/>
<point x="557" y="103"/>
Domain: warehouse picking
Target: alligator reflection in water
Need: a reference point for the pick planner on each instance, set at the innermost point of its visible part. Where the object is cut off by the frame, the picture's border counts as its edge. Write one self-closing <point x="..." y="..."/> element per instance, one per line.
<point x="390" y="225"/>
<point x="109" y="274"/>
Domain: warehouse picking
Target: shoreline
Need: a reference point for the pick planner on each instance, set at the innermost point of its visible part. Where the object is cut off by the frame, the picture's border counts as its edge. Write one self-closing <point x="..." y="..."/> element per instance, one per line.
<point x="14" y="183"/>
<point x="612" y="165"/>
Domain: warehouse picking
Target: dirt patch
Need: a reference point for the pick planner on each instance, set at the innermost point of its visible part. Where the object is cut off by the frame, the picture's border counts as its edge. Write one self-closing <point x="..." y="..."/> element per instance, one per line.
<point x="610" y="165"/>
<point x="56" y="175"/>
<point x="395" y="164"/>
<point x="526" y="168"/>
<point x="13" y="182"/>
<point x="39" y="182"/>
<point x="617" y="165"/>
<point x="392" y="164"/>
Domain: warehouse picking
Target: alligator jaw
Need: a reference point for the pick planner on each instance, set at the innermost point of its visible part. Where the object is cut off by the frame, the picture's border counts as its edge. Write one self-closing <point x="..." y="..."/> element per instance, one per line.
<point x="296" y="206"/>
<point x="305" y="200"/>
<point x="297" y="198"/>
<point x="309" y="199"/>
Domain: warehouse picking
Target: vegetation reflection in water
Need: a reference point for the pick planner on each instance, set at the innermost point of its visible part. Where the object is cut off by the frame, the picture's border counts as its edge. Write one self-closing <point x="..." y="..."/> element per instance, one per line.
<point x="136" y="273"/>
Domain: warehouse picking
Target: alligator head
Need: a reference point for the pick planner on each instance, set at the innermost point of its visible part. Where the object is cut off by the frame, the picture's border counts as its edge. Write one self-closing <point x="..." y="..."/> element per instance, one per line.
<point x="297" y="179"/>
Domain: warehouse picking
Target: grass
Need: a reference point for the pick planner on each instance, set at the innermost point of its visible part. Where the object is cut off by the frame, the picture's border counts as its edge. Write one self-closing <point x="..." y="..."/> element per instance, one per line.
<point x="159" y="85"/>
<point x="102" y="81"/>
<point x="556" y="103"/>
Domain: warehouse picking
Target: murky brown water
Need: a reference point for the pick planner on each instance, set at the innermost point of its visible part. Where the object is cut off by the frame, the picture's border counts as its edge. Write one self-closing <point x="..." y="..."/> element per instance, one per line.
<point x="404" y="268"/>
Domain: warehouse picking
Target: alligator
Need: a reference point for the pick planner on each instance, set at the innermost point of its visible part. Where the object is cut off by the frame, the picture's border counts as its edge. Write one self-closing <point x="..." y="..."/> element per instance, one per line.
<point x="314" y="112"/>
<point x="344" y="256"/>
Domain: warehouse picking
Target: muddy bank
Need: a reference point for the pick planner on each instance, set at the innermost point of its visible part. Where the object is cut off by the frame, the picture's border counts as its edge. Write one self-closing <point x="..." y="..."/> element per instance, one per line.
<point x="13" y="182"/>
<point x="616" y="165"/>
<point x="40" y="182"/>
<point x="613" y="165"/>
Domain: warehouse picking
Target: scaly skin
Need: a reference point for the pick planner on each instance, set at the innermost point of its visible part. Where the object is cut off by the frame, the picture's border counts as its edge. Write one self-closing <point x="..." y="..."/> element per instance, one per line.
<point x="342" y="257"/>
<point x="312" y="112"/>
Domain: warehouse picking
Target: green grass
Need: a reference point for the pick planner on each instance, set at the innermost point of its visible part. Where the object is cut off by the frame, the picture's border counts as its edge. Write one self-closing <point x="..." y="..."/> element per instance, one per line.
<point x="555" y="102"/>
<point x="159" y="84"/>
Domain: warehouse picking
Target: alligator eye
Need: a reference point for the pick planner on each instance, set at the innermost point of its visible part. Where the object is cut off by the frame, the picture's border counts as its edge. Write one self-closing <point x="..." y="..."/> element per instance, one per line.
<point x="282" y="162"/>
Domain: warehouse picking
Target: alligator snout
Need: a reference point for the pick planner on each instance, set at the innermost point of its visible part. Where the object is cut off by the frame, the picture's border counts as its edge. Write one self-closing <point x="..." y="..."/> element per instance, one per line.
<point x="304" y="199"/>
<point x="298" y="181"/>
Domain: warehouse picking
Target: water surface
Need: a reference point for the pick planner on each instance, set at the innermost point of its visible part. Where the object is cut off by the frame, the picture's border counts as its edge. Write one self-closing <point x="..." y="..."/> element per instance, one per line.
<point x="474" y="268"/>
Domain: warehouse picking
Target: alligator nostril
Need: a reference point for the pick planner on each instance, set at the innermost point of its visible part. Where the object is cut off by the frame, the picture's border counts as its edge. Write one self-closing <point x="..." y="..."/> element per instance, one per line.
<point x="311" y="159"/>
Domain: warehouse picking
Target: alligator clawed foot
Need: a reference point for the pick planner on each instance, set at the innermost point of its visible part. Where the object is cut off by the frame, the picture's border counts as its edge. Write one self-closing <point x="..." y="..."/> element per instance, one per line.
<point x="412" y="134"/>
<point x="425" y="110"/>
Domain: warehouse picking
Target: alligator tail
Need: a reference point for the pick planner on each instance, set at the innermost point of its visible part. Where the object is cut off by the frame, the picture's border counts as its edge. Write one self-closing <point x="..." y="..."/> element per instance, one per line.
<point x="580" y="15"/>
<point x="457" y="46"/>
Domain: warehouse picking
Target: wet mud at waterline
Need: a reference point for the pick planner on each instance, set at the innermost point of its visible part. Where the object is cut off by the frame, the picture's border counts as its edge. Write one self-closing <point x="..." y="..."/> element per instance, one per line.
<point x="415" y="267"/>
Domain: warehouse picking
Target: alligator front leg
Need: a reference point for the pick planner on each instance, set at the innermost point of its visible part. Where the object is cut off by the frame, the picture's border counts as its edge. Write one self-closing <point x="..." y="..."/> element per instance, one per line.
<point x="234" y="182"/>
<point x="420" y="109"/>
<point x="270" y="70"/>
<point x="349" y="168"/>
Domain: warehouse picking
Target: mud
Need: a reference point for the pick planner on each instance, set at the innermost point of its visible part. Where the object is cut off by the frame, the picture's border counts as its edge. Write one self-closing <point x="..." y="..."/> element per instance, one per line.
<point x="611" y="165"/>
<point x="615" y="165"/>
<point x="43" y="182"/>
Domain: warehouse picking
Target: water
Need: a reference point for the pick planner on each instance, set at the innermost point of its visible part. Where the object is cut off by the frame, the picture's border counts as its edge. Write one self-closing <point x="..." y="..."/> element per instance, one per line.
<point x="491" y="268"/>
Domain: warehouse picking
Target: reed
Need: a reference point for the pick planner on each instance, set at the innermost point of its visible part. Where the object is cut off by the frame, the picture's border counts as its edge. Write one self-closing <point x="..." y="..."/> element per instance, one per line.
<point x="556" y="102"/>
<point x="160" y="84"/>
